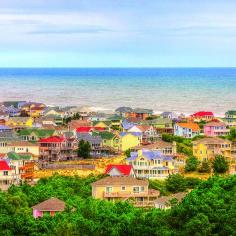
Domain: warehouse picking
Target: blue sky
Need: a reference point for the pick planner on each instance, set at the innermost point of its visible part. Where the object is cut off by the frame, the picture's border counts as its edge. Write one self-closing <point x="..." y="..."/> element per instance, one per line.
<point x="117" y="33"/>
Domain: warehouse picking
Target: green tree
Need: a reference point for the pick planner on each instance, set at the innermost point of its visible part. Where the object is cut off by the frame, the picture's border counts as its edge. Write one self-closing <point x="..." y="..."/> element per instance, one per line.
<point x="176" y="183"/>
<point x="127" y="152"/>
<point x="84" y="149"/>
<point x="220" y="164"/>
<point x="191" y="164"/>
<point x="205" y="167"/>
<point x="232" y="134"/>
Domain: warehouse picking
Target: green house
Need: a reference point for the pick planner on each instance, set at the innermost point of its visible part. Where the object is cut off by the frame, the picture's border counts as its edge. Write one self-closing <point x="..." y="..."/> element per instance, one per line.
<point x="35" y="134"/>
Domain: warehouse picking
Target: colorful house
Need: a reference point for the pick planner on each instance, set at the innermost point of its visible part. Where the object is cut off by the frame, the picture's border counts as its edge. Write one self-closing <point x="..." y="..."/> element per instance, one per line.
<point x="115" y="188"/>
<point x="149" y="134"/>
<point x="166" y="148"/>
<point x="22" y="165"/>
<point x="208" y="148"/>
<point x="164" y="202"/>
<point x="95" y="142"/>
<point x="35" y="134"/>
<point x="151" y="164"/>
<point x="139" y="113"/>
<point x="186" y="130"/>
<point x="7" y="177"/>
<point x="56" y="148"/>
<point x="214" y="129"/>
<point x="162" y="125"/>
<point x="230" y="118"/>
<point x="102" y="124"/>
<point x="109" y="139"/>
<point x="129" y="140"/>
<point x="123" y="111"/>
<point x="24" y="147"/>
<point x="33" y="109"/>
<point x="50" y="207"/>
<point x="202" y="116"/>
<point x="119" y="170"/>
<point x="20" y="122"/>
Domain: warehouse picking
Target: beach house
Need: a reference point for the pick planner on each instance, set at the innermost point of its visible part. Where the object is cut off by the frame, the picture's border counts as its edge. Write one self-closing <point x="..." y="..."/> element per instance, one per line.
<point x="139" y="113"/>
<point x="119" y="170"/>
<point x="151" y="164"/>
<point x="35" y="134"/>
<point x="166" y="202"/>
<point x="230" y="118"/>
<point x="24" y="147"/>
<point x="129" y="140"/>
<point x="202" y="116"/>
<point x="149" y="134"/>
<point x="57" y="148"/>
<point x="113" y="188"/>
<point x="214" y="129"/>
<point x="208" y="148"/>
<point x="186" y="130"/>
<point x="19" y="123"/>
<point x="7" y="177"/>
<point x="48" y="207"/>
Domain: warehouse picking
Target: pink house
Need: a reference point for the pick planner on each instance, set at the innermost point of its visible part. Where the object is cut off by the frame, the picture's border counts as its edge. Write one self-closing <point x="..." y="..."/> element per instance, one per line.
<point x="50" y="206"/>
<point x="214" y="129"/>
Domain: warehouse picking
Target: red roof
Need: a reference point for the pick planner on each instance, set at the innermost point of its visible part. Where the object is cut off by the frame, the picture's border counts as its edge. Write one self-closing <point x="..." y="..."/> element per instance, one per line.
<point x="202" y="114"/>
<point x="99" y="128"/>
<point x="4" y="166"/>
<point x="84" y="129"/>
<point x="52" y="139"/>
<point x="124" y="169"/>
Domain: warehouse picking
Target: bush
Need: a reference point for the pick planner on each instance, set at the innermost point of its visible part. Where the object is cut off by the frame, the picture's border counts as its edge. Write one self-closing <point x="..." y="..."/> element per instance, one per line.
<point x="220" y="164"/>
<point x="176" y="183"/>
<point x="205" y="167"/>
<point x="191" y="164"/>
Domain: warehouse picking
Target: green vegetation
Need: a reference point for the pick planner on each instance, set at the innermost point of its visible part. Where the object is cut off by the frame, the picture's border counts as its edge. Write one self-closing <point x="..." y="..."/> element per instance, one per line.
<point x="209" y="209"/>
<point x="184" y="145"/>
<point x="127" y="153"/>
<point x="84" y="149"/>
<point x="220" y="164"/>
<point x="191" y="164"/>
<point x="67" y="120"/>
<point x="205" y="167"/>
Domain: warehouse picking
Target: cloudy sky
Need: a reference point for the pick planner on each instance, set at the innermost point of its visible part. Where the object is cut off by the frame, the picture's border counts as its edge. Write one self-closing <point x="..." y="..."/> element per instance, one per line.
<point x="117" y="33"/>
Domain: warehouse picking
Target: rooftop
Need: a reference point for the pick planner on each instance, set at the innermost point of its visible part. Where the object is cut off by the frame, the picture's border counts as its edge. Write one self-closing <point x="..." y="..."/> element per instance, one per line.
<point x="52" y="204"/>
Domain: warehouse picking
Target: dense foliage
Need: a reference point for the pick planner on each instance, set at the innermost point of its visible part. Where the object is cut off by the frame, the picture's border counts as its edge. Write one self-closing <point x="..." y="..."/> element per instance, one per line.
<point x="220" y="164"/>
<point x="191" y="164"/>
<point x="205" y="167"/>
<point x="210" y="209"/>
<point x="84" y="149"/>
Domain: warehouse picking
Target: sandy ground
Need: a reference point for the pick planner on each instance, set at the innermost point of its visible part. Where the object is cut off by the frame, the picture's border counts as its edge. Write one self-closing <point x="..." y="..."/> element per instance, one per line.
<point x="100" y="165"/>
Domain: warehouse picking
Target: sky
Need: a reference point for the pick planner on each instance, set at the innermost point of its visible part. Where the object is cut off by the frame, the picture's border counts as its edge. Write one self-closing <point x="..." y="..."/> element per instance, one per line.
<point x="117" y="33"/>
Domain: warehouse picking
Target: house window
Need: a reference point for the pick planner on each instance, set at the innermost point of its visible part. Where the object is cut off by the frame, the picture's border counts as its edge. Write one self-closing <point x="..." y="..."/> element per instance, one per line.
<point x="136" y="189"/>
<point x="5" y="173"/>
<point x="123" y="188"/>
<point x="108" y="189"/>
<point x="142" y="189"/>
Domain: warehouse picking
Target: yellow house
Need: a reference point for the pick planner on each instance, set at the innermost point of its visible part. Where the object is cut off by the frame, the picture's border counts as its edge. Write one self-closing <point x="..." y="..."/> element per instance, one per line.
<point x="114" y="188"/>
<point x="109" y="139"/>
<point x="151" y="164"/>
<point x="102" y="124"/>
<point x="24" y="148"/>
<point x="129" y="140"/>
<point x="208" y="148"/>
<point x="20" y="122"/>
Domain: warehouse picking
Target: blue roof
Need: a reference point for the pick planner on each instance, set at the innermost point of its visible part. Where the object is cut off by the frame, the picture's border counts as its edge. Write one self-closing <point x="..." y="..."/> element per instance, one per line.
<point x="4" y="127"/>
<point x="127" y="125"/>
<point x="122" y="134"/>
<point x="150" y="155"/>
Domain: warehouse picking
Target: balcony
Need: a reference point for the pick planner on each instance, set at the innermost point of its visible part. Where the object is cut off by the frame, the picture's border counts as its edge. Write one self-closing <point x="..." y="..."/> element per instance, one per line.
<point x="126" y="194"/>
<point x="29" y="175"/>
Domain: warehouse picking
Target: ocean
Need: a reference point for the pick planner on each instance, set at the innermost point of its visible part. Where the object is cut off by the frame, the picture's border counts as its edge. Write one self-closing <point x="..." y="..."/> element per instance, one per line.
<point x="162" y="89"/>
